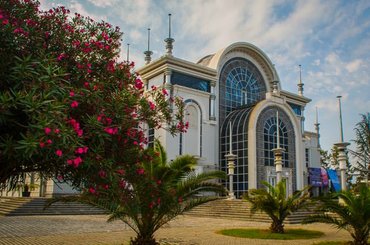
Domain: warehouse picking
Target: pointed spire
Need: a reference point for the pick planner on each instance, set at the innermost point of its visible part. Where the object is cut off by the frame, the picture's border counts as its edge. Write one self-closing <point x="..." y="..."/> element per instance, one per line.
<point x="169" y="40"/>
<point x="148" y="53"/>
<point x="128" y="52"/>
<point x="300" y="84"/>
<point x="317" y="128"/>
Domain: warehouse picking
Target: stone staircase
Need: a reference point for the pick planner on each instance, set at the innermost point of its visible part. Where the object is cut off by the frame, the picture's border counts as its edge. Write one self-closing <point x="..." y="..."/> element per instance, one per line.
<point x="240" y="210"/>
<point x="19" y="206"/>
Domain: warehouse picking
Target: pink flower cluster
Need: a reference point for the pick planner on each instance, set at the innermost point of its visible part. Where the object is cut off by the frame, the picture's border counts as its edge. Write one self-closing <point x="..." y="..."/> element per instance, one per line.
<point x="81" y="150"/>
<point x="75" y="162"/>
<point x="111" y="130"/>
<point x="182" y="127"/>
<point x="76" y="126"/>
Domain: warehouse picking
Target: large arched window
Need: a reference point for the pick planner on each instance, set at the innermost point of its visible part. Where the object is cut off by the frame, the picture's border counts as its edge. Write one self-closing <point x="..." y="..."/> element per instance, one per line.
<point x="266" y="141"/>
<point x="241" y="84"/>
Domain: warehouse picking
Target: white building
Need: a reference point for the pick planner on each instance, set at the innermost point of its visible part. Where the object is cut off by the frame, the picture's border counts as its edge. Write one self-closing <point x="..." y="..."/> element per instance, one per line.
<point x="237" y="85"/>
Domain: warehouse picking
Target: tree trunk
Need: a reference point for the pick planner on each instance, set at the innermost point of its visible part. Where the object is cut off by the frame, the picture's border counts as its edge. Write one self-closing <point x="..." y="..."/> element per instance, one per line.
<point x="277" y="226"/>
<point x="144" y="240"/>
<point x="361" y="237"/>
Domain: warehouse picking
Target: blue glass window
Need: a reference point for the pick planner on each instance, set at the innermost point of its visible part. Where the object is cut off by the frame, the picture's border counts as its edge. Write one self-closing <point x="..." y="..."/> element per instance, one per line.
<point x="270" y="141"/>
<point x="296" y="108"/>
<point x="190" y="82"/>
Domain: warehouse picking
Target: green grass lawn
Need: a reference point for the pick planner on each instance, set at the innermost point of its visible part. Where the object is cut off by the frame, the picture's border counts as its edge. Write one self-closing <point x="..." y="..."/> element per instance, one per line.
<point x="290" y="234"/>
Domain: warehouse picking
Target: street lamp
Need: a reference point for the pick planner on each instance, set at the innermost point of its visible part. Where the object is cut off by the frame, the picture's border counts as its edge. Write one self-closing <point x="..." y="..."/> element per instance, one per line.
<point x="342" y="150"/>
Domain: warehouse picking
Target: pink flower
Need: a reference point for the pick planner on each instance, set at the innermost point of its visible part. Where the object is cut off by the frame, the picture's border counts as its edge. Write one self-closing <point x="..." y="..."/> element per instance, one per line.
<point x="122" y="183"/>
<point x="164" y="91"/>
<point x="61" y="57"/>
<point x="102" y="174"/>
<point x="111" y="131"/>
<point x="77" y="161"/>
<point x="106" y="187"/>
<point x="85" y="149"/>
<point x="120" y="171"/>
<point x="71" y="93"/>
<point x="74" y="104"/>
<point x="80" y="132"/>
<point x="47" y="130"/>
<point x="60" y="177"/>
<point x="154" y="87"/>
<point x="59" y="153"/>
<point x="86" y="84"/>
<point x="152" y="106"/>
<point x="139" y="84"/>
<point x="42" y="144"/>
<point x="47" y="34"/>
<point x="79" y="150"/>
<point x="92" y="190"/>
<point x="69" y="162"/>
<point x="49" y="141"/>
<point x="140" y="171"/>
<point x="57" y="130"/>
<point x="5" y="22"/>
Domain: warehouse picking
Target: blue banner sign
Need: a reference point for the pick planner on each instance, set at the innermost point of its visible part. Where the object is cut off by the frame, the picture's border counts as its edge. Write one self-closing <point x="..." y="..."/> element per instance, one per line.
<point x="334" y="179"/>
<point x="315" y="176"/>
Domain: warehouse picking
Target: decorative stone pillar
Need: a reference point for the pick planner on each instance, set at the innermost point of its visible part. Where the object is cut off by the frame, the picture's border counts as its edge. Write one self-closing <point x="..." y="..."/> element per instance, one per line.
<point x="342" y="159"/>
<point x="278" y="159"/>
<point x="230" y="158"/>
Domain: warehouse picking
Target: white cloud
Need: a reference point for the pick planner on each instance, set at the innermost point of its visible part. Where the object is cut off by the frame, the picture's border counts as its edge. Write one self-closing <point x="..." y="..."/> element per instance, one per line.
<point x="77" y="7"/>
<point x="354" y="65"/>
<point x="103" y="3"/>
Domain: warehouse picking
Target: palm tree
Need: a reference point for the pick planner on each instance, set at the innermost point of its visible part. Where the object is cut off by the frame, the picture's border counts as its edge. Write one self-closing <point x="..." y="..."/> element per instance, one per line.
<point x="351" y="213"/>
<point x="362" y="152"/>
<point x="163" y="191"/>
<point x="275" y="203"/>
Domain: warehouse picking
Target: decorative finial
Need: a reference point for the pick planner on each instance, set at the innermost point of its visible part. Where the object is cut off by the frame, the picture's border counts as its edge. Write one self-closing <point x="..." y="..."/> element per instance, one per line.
<point x="317" y="128"/>
<point x="169" y="40"/>
<point x="128" y="52"/>
<point x="340" y="118"/>
<point x="148" y="53"/>
<point x="300" y="84"/>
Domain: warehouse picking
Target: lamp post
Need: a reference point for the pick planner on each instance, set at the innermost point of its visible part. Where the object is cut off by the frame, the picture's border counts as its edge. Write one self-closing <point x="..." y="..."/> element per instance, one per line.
<point x="342" y="150"/>
<point x="278" y="152"/>
<point x="230" y="158"/>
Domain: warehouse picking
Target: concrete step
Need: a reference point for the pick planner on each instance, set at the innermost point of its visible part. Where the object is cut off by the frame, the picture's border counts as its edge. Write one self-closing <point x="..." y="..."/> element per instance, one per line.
<point x="35" y="206"/>
<point x="241" y="209"/>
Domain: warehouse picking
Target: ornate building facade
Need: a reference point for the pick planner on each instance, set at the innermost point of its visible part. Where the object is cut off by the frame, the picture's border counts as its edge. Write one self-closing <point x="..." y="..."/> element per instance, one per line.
<point x="237" y="87"/>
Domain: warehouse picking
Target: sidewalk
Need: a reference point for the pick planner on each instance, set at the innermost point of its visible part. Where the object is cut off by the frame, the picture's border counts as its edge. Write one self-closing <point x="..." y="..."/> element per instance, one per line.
<point x="189" y="230"/>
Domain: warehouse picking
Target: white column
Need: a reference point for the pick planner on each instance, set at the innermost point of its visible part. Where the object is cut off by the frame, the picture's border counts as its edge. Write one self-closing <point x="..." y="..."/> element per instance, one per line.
<point x="342" y="159"/>
<point x="212" y="98"/>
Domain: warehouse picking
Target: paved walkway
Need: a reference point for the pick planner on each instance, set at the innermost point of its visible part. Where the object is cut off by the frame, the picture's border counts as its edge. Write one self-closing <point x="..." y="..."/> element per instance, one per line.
<point x="185" y="230"/>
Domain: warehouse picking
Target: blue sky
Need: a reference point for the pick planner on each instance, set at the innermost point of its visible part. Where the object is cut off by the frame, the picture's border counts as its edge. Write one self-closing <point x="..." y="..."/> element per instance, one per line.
<point x="330" y="39"/>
